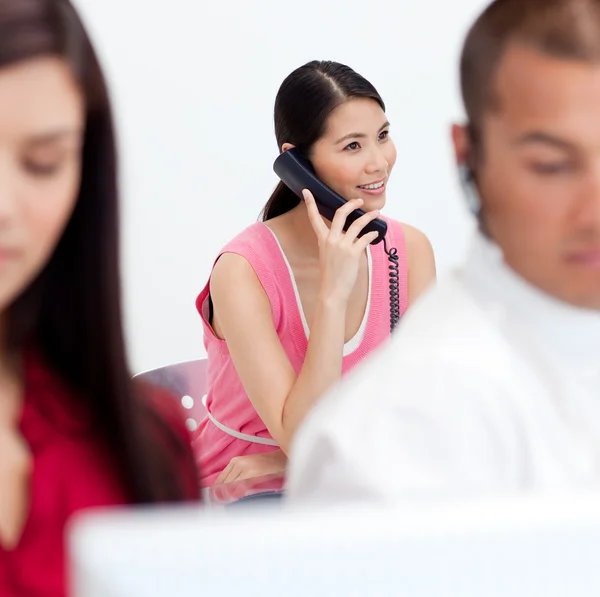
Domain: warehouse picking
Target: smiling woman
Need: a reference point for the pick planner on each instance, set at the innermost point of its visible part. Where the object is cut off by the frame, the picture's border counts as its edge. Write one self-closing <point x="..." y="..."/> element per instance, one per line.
<point x="295" y="301"/>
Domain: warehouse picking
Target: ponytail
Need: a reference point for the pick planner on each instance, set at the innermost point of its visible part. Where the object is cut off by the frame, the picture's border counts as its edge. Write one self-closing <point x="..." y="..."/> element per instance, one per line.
<point x="281" y="201"/>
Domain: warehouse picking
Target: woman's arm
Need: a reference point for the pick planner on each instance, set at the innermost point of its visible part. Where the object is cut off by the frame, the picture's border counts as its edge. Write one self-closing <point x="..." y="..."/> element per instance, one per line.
<point x="242" y="316"/>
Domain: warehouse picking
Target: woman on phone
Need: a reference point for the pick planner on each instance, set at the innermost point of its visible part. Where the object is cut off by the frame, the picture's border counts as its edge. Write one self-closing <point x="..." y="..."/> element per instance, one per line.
<point x="74" y="432"/>
<point x="294" y="302"/>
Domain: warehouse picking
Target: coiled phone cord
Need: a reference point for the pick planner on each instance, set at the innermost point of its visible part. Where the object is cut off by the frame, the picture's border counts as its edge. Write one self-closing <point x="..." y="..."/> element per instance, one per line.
<point x="394" y="270"/>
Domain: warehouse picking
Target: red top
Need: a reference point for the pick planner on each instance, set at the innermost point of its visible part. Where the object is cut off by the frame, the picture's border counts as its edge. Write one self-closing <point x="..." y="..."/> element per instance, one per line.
<point x="71" y="472"/>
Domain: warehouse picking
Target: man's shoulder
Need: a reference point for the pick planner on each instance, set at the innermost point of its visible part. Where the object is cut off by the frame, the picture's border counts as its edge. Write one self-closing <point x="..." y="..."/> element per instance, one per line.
<point x="446" y="317"/>
<point x="447" y="347"/>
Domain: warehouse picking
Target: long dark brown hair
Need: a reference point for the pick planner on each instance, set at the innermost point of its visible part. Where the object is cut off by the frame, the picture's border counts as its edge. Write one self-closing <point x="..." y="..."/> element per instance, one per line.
<point x="72" y="312"/>
<point x="303" y="104"/>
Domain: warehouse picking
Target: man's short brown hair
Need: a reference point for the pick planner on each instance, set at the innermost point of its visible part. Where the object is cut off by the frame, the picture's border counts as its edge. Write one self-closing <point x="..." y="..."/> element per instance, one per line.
<point x="568" y="29"/>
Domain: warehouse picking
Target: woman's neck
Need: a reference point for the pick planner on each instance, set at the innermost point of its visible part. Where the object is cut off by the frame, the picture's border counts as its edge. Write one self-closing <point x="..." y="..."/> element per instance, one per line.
<point x="294" y="229"/>
<point x="10" y="379"/>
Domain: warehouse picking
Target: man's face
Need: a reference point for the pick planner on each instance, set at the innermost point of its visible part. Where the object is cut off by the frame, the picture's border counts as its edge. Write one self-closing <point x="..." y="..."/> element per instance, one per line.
<point x="539" y="172"/>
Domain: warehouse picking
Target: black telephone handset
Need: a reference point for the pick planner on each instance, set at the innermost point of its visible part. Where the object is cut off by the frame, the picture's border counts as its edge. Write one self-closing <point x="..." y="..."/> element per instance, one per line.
<point x="297" y="173"/>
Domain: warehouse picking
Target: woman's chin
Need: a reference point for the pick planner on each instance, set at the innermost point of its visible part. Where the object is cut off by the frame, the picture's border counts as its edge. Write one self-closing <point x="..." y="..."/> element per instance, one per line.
<point x="371" y="203"/>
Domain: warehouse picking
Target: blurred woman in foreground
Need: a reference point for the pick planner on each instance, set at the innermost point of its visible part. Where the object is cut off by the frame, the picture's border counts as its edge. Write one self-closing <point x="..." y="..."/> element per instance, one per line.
<point x="74" y="431"/>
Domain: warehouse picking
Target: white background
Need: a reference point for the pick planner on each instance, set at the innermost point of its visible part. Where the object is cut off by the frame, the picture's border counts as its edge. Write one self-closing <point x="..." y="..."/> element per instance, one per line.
<point x="193" y="84"/>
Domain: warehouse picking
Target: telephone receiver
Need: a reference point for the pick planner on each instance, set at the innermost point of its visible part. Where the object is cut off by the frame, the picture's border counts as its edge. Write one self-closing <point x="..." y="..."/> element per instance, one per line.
<point x="297" y="173"/>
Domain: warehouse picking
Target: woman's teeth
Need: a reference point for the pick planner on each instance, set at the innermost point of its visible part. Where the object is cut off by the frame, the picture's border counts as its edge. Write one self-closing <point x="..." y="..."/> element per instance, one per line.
<point x="375" y="185"/>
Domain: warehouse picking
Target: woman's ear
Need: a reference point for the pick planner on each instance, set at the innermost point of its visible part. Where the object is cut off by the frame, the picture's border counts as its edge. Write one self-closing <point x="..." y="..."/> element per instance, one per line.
<point x="287" y="146"/>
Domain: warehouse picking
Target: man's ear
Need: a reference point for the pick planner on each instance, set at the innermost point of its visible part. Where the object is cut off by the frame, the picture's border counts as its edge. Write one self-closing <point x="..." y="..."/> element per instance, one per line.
<point x="461" y="143"/>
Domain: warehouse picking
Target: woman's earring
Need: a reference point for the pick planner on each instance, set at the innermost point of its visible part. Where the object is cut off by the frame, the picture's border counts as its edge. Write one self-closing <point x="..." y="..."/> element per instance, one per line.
<point x="467" y="181"/>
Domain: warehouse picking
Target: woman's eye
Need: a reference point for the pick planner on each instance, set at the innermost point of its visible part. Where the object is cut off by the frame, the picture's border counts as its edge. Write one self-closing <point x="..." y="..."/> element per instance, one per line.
<point x="42" y="169"/>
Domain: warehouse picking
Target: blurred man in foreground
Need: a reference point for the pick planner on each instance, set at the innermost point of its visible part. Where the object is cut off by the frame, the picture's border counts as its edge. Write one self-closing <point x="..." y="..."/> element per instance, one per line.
<point x="492" y="382"/>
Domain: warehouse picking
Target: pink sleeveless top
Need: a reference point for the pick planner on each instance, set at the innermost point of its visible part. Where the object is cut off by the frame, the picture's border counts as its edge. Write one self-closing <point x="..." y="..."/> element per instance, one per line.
<point x="233" y="427"/>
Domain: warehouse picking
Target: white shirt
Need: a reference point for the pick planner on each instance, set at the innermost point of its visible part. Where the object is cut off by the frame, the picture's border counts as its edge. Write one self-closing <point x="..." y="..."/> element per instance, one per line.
<point x="488" y="385"/>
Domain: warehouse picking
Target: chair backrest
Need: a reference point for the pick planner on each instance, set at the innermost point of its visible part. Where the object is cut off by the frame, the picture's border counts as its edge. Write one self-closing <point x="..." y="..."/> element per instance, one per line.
<point x="186" y="381"/>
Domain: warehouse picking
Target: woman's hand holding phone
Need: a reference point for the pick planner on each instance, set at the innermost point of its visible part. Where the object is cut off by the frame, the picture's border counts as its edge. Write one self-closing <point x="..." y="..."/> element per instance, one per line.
<point x="339" y="251"/>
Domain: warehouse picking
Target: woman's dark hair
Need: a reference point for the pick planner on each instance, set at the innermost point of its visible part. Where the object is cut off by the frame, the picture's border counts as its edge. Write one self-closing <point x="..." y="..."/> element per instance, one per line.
<point x="71" y="313"/>
<point x="303" y="104"/>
